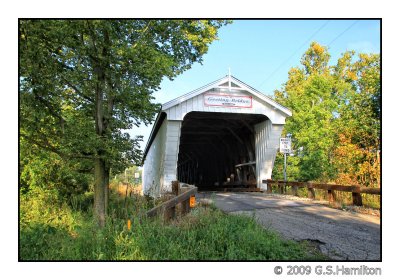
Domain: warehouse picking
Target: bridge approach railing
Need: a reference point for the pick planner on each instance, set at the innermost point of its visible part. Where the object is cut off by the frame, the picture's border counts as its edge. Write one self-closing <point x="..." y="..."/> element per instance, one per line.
<point x="356" y="191"/>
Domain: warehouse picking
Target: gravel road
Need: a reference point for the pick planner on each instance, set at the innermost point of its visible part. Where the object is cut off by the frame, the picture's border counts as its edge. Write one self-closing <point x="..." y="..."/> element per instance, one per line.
<point x="340" y="235"/>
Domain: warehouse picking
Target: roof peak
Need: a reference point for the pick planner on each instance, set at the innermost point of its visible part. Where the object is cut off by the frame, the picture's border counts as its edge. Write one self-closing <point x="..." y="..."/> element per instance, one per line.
<point x="239" y="85"/>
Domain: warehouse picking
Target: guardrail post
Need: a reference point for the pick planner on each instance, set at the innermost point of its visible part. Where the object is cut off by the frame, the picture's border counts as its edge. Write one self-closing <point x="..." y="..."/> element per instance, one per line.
<point x="269" y="187"/>
<point x="357" y="198"/>
<point x="295" y="191"/>
<point x="310" y="190"/>
<point x="168" y="209"/>
<point x="281" y="188"/>
<point x="169" y="213"/>
<point x="331" y="196"/>
<point x="185" y="206"/>
<point x="175" y="187"/>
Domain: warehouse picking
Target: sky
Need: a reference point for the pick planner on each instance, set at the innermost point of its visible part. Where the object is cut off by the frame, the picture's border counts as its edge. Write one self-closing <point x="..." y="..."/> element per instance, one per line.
<point x="261" y="52"/>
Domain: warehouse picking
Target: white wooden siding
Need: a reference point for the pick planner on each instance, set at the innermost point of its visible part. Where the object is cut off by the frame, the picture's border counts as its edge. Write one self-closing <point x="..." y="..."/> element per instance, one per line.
<point x="196" y="103"/>
<point x="161" y="160"/>
<point x="267" y="143"/>
<point x="171" y="153"/>
<point x="153" y="168"/>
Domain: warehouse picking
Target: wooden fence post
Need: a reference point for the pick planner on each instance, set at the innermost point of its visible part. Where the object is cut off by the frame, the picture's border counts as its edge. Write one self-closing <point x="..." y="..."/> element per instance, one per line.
<point x="168" y="209"/>
<point x="295" y="191"/>
<point x="269" y="187"/>
<point x="310" y="190"/>
<point x="185" y="206"/>
<point x="169" y="213"/>
<point x="357" y="198"/>
<point x="331" y="196"/>
<point x="281" y="188"/>
<point x="175" y="187"/>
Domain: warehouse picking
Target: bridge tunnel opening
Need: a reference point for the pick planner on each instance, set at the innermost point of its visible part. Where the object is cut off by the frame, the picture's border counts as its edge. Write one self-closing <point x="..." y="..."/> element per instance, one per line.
<point x="217" y="150"/>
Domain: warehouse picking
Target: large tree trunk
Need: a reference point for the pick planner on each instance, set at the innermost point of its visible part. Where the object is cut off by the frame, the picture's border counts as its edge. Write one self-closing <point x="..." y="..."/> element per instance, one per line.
<point x="102" y="118"/>
<point x="106" y="189"/>
<point x="100" y="170"/>
<point x="100" y="185"/>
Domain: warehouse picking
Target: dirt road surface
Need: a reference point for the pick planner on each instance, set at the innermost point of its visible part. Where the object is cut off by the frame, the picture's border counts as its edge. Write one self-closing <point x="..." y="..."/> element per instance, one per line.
<point x="340" y="235"/>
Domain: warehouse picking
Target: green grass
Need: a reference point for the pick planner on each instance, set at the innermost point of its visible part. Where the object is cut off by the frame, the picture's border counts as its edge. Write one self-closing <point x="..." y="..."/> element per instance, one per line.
<point x="50" y="230"/>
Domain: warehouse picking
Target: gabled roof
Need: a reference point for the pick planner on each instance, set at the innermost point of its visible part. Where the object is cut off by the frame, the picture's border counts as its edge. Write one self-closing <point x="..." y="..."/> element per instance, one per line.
<point x="224" y="83"/>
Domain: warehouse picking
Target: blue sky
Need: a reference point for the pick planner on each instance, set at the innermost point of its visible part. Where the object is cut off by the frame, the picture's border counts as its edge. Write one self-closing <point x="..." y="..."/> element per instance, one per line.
<point x="260" y="53"/>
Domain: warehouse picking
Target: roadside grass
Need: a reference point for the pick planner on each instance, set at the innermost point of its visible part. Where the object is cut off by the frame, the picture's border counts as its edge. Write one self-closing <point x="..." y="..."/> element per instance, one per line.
<point x="54" y="230"/>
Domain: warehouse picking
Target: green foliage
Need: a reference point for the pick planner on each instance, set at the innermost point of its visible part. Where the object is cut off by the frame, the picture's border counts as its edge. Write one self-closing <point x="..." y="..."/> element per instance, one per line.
<point x="128" y="176"/>
<point x="358" y="156"/>
<point x="40" y="168"/>
<point x="83" y="83"/>
<point x="336" y="118"/>
<point x="310" y="98"/>
<point x="292" y="168"/>
<point x="45" y="222"/>
<point x="71" y="67"/>
<point x="51" y="230"/>
<point x="315" y="59"/>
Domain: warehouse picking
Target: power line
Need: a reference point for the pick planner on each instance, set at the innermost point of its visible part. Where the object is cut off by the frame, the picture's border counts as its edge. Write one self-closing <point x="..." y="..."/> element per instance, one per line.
<point x="344" y="31"/>
<point x="294" y="53"/>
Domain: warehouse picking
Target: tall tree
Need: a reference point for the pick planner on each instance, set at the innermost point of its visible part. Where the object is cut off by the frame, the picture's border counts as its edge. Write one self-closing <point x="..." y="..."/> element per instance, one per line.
<point x="357" y="156"/>
<point x="82" y="82"/>
<point x="336" y="117"/>
<point x="308" y="93"/>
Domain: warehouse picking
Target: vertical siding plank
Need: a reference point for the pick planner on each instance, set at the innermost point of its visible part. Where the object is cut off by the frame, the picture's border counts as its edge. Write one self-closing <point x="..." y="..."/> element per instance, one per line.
<point x="189" y="105"/>
<point x="184" y="109"/>
<point x="154" y="162"/>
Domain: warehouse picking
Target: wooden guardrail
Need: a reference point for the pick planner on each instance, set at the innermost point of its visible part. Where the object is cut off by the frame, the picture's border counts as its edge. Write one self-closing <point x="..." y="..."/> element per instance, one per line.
<point x="168" y="208"/>
<point x="356" y="191"/>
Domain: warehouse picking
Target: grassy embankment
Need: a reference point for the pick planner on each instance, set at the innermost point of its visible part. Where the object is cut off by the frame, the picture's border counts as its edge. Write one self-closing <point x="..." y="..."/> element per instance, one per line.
<point x="52" y="229"/>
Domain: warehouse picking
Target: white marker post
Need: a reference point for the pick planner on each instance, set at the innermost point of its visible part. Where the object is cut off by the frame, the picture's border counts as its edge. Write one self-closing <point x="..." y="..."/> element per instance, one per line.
<point x="285" y="148"/>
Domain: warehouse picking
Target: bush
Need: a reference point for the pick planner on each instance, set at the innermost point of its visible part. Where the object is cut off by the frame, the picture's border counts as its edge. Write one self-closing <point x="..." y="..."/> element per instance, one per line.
<point x="42" y="169"/>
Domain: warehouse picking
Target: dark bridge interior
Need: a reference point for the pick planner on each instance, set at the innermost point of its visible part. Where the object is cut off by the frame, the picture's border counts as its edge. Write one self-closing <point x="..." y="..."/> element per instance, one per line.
<point x="218" y="150"/>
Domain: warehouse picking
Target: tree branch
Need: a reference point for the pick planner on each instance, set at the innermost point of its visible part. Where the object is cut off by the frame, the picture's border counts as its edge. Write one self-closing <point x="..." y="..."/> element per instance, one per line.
<point x="48" y="147"/>
<point x="50" y="108"/>
<point x="91" y="33"/>
<point x="144" y="31"/>
<point x="45" y="146"/>
<point x="77" y="90"/>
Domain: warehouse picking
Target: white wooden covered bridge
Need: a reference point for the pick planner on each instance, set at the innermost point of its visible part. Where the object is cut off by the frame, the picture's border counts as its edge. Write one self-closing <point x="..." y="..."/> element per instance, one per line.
<point x="223" y="134"/>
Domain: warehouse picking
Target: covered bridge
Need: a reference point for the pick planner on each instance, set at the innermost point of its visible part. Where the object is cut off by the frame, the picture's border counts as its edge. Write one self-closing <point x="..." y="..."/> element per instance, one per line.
<point x="223" y="134"/>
